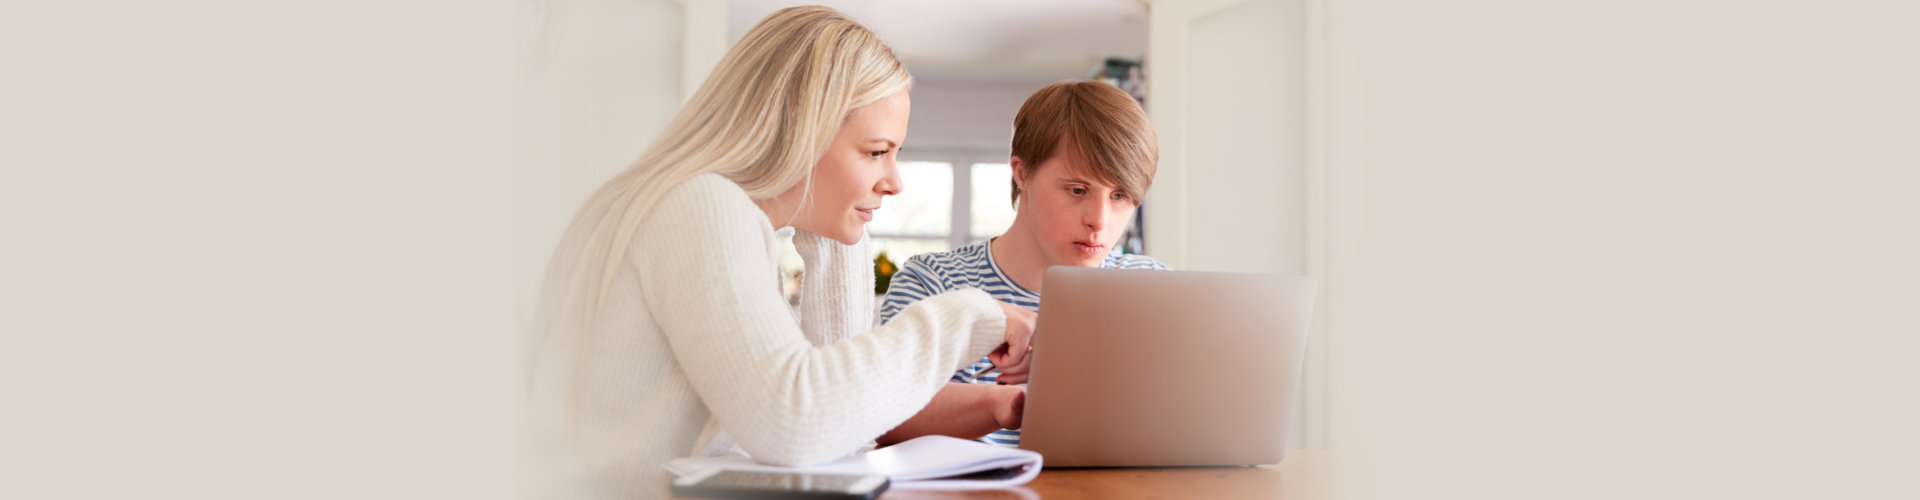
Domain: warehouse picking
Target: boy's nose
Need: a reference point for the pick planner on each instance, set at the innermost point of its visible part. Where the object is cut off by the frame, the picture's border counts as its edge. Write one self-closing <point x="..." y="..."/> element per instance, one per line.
<point x="1095" y="217"/>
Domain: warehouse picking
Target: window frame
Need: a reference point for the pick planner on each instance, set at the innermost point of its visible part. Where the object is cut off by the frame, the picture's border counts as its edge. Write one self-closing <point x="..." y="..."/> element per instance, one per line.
<point x="960" y="232"/>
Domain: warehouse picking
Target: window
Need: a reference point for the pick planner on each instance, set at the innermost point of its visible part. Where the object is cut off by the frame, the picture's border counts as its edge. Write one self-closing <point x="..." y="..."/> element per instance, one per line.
<point x="992" y="199"/>
<point x="972" y="202"/>
<point x="941" y="208"/>
<point x="920" y="219"/>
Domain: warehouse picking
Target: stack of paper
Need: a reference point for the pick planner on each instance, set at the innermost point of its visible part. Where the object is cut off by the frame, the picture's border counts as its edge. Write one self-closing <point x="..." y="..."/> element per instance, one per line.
<point x="926" y="462"/>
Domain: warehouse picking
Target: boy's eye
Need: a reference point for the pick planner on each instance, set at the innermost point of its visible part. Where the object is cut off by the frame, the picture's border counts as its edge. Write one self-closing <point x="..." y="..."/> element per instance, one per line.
<point x="1119" y="196"/>
<point x="1077" y="191"/>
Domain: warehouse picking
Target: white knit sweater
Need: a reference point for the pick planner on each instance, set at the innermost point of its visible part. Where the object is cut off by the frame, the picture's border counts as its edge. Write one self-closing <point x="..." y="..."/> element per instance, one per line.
<point x="699" y="329"/>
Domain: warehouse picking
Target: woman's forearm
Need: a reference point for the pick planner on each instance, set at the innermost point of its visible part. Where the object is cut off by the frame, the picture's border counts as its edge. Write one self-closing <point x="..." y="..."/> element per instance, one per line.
<point x="961" y="410"/>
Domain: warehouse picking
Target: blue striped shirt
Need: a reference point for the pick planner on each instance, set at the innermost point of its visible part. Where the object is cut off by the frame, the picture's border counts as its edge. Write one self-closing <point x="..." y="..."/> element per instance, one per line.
<point x="972" y="266"/>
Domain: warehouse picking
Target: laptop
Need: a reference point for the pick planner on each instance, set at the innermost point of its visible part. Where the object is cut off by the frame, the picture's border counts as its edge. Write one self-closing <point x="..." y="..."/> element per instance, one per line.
<point x="1142" y="368"/>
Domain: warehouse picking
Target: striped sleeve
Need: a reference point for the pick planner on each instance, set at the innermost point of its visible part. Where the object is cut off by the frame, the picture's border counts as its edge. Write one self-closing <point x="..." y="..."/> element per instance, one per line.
<point x="1134" y="261"/>
<point x="915" y="281"/>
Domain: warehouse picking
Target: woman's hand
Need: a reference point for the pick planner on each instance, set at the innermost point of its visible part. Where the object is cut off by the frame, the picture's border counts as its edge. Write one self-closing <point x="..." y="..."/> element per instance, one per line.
<point x="1011" y="357"/>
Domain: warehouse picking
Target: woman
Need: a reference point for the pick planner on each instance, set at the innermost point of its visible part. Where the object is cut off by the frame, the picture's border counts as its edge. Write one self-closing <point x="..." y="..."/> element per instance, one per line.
<point x="662" y="332"/>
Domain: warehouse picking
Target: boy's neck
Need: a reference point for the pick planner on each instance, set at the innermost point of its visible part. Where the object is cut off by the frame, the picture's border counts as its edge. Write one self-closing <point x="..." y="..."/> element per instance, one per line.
<point x="1019" y="256"/>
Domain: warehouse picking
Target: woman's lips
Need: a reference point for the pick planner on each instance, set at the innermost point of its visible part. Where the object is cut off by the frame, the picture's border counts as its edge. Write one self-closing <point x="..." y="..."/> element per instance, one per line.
<point x="866" y="214"/>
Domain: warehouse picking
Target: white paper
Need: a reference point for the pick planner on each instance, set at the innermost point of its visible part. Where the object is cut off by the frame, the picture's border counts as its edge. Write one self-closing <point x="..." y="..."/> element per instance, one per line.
<point x="926" y="462"/>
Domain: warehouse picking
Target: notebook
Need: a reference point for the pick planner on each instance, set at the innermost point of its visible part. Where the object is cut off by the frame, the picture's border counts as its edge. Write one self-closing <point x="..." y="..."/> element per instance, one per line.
<point x="926" y="462"/>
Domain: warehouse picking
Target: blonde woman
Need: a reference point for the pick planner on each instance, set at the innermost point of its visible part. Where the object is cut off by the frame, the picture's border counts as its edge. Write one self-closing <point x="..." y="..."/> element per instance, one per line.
<point x="661" y="329"/>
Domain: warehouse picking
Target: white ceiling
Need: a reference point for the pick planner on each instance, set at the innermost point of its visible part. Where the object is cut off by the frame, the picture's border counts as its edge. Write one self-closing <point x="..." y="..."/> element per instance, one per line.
<point x="1006" y="40"/>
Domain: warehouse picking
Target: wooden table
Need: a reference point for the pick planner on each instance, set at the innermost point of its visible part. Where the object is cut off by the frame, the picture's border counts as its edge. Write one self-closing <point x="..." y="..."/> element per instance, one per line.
<point x="1303" y="475"/>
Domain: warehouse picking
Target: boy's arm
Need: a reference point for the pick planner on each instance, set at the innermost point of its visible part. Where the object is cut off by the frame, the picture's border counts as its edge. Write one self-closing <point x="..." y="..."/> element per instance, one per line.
<point x="913" y="283"/>
<point x="965" y="411"/>
<point x="960" y="409"/>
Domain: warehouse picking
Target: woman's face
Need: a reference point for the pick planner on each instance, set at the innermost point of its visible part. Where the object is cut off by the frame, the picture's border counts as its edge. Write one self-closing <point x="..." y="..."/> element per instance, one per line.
<point x="856" y="171"/>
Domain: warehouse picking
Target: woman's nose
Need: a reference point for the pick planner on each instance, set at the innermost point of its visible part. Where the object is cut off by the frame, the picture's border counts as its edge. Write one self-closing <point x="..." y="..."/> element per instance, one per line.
<point x="890" y="184"/>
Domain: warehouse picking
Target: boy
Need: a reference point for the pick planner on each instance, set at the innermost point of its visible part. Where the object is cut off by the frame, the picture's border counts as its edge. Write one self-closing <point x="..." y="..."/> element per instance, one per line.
<point x="1083" y="154"/>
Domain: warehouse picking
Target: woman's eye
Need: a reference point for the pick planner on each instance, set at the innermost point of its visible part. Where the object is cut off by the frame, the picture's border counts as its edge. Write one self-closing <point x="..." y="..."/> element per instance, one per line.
<point x="876" y="154"/>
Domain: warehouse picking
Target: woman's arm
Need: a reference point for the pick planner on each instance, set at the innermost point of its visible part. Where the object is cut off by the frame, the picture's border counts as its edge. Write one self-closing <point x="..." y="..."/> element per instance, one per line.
<point x="836" y="293"/>
<point x="704" y="262"/>
<point x="965" y="411"/>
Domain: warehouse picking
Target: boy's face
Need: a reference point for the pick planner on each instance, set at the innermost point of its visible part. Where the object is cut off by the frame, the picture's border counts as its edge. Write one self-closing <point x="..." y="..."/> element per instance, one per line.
<point x="1076" y="216"/>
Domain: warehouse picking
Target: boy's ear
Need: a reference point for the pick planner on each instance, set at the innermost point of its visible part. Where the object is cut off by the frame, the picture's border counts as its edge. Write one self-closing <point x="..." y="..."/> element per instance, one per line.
<point x="1018" y="169"/>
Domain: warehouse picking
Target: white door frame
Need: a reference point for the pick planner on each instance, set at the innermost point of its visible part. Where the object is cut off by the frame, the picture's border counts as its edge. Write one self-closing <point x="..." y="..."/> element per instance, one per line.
<point x="1168" y="98"/>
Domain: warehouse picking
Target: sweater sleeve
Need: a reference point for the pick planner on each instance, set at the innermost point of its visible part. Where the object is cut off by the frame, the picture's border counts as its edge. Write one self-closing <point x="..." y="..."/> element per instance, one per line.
<point x="708" y="282"/>
<point x="836" y="293"/>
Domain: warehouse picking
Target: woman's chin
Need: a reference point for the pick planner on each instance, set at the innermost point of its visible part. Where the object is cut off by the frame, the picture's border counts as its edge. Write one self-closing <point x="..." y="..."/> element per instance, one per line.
<point x="847" y="236"/>
<point x="844" y="235"/>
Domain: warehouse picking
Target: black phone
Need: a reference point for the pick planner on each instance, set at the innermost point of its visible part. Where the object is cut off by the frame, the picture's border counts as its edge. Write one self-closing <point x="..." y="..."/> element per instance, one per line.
<point x="747" y="485"/>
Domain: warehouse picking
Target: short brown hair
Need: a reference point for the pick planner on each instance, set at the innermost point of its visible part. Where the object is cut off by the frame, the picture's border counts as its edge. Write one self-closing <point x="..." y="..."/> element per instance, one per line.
<point x="1107" y="129"/>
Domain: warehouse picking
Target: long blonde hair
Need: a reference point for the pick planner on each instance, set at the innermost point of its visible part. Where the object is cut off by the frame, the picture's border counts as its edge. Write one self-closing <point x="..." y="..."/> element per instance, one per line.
<point x="762" y="119"/>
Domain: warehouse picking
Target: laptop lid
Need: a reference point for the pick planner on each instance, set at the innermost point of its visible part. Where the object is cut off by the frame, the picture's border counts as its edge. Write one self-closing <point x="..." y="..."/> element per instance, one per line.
<point x="1136" y="368"/>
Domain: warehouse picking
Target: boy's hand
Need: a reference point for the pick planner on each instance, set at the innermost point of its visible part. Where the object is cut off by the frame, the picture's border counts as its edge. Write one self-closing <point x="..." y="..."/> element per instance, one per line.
<point x="1009" y="406"/>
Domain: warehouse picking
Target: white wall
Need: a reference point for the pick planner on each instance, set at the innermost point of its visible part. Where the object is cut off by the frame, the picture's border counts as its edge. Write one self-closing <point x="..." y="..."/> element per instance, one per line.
<point x="1670" y="240"/>
<point x="256" y="250"/>
<point x="1228" y="98"/>
<point x="967" y="115"/>
<point x="1581" y="250"/>
<point x="1227" y="92"/>
<point x="600" y="80"/>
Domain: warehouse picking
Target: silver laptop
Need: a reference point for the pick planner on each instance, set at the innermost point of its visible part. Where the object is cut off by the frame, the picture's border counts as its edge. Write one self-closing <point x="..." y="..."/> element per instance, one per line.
<point x="1139" y="368"/>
